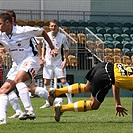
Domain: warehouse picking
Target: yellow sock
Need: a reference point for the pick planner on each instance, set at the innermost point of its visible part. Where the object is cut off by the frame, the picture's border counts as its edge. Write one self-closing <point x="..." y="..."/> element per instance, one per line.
<point x="80" y="106"/>
<point x="71" y="89"/>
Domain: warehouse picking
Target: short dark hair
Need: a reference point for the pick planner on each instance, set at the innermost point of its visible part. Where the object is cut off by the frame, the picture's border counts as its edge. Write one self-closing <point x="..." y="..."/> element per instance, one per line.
<point x="53" y="21"/>
<point x="5" y="17"/>
<point x="11" y="13"/>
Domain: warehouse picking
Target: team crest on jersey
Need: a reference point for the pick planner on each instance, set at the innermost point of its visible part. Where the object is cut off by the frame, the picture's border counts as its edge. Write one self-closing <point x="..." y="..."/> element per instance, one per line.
<point x="18" y="43"/>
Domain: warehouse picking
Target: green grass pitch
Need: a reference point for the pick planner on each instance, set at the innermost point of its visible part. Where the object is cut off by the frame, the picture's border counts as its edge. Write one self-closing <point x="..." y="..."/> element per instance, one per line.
<point x="102" y="120"/>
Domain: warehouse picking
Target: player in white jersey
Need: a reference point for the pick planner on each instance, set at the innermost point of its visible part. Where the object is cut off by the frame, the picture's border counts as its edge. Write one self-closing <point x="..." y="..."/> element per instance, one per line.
<point x="56" y="66"/>
<point x="16" y="41"/>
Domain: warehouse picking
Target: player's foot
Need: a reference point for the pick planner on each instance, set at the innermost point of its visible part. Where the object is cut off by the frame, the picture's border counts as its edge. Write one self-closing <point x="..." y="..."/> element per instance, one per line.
<point x="2" y="121"/>
<point x="27" y="115"/>
<point x="57" y="114"/>
<point x="51" y="96"/>
<point x="46" y="105"/>
<point x="16" y="115"/>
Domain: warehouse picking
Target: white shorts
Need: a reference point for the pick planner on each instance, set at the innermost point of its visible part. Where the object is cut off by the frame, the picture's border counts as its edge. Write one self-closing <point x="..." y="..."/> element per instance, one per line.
<point x="30" y="64"/>
<point x="49" y="72"/>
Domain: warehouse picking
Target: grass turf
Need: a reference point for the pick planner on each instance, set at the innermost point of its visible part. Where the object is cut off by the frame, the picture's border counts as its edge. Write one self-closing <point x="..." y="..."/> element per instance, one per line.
<point x="102" y="120"/>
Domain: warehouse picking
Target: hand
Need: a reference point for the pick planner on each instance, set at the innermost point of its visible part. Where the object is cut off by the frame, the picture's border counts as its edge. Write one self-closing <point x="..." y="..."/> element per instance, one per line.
<point x="120" y="110"/>
<point x="54" y="52"/>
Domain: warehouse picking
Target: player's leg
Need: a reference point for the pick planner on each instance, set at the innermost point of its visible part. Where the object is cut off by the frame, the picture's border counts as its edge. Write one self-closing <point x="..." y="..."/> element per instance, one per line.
<point x="64" y="84"/>
<point x="22" y="88"/>
<point x="46" y="87"/>
<point x="79" y="106"/>
<point x="13" y="100"/>
<point x="71" y="89"/>
<point x="4" y="90"/>
<point x="43" y="93"/>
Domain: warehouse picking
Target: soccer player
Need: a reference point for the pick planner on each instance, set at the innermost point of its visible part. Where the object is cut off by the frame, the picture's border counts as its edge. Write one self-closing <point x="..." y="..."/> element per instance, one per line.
<point x="55" y="66"/>
<point x="100" y="79"/>
<point x="16" y="40"/>
<point x="13" y="98"/>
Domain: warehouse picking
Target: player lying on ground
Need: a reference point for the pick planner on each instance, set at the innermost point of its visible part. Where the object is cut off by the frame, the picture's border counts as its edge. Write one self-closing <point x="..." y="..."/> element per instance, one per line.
<point x="100" y="79"/>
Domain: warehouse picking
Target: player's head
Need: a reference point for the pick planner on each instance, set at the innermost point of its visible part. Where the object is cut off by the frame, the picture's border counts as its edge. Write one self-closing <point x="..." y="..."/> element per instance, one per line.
<point x="12" y="14"/>
<point x="5" y="22"/>
<point x="53" y="25"/>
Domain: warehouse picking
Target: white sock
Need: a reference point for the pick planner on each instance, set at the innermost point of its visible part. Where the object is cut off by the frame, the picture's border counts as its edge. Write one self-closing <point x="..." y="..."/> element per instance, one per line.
<point x="24" y="96"/>
<point x="69" y="96"/>
<point x="47" y="87"/>
<point x="57" y="100"/>
<point x="3" y="106"/>
<point x="41" y="92"/>
<point x="13" y="99"/>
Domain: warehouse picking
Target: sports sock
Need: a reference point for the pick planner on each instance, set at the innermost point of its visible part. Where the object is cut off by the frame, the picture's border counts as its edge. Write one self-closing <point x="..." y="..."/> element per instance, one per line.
<point x="69" y="96"/>
<point x="47" y="87"/>
<point x="13" y="99"/>
<point x="79" y="106"/>
<point x="24" y="96"/>
<point x="41" y="92"/>
<point x="3" y="106"/>
<point x="71" y="89"/>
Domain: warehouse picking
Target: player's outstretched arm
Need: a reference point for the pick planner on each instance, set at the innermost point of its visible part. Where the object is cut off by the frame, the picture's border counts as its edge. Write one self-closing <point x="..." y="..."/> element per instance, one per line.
<point x="54" y="52"/>
<point x="120" y="110"/>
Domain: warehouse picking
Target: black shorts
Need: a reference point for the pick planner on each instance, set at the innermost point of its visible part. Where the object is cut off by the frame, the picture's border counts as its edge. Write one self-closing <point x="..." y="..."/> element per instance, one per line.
<point x="101" y="78"/>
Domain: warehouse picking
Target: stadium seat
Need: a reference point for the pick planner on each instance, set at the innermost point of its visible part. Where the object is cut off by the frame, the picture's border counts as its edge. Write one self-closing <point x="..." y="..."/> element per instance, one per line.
<point x="72" y="60"/>
<point x="117" y="52"/>
<point x="118" y="24"/>
<point x="117" y="30"/>
<point x="108" y="59"/>
<point x="131" y="36"/>
<point x="74" y="36"/>
<point x="110" y="31"/>
<point x="126" y="37"/>
<point x="91" y="45"/>
<point x="117" y="59"/>
<point x="100" y="36"/>
<point x="127" y="31"/>
<point x="101" y="24"/>
<point x="132" y="60"/>
<point x="100" y="30"/>
<point x="81" y="20"/>
<point x="117" y="37"/>
<point x="127" y="52"/>
<point x="92" y="29"/>
<point x="83" y="24"/>
<point x="99" y="44"/>
<point x="108" y="52"/>
<point x="81" y="38"/>
<point x="21" y="22"/>
<point x="110" y="24"/>
<point x="74" y="24"/>
<point x="30" y="22"/>
<point x="127" y="44"/>
<point x="127" y="24"/>
<point x="109" y="44"/>
<point x="63" y="20"/>
<point x="126" y="60"/>
<point x="66" y="23"/>
<point x="118" y="44"/>
<point x="66" y="29"/>
<point x="93" y="24"/>
<point x="39" y="23"/>
<point x="108" y="37"/>
<point x="99" y="53"/>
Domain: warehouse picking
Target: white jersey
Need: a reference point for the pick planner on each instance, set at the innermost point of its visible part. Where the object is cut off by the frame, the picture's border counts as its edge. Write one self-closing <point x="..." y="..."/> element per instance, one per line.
<point x="58" y="41"/>
<point x="17" y="44"/>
